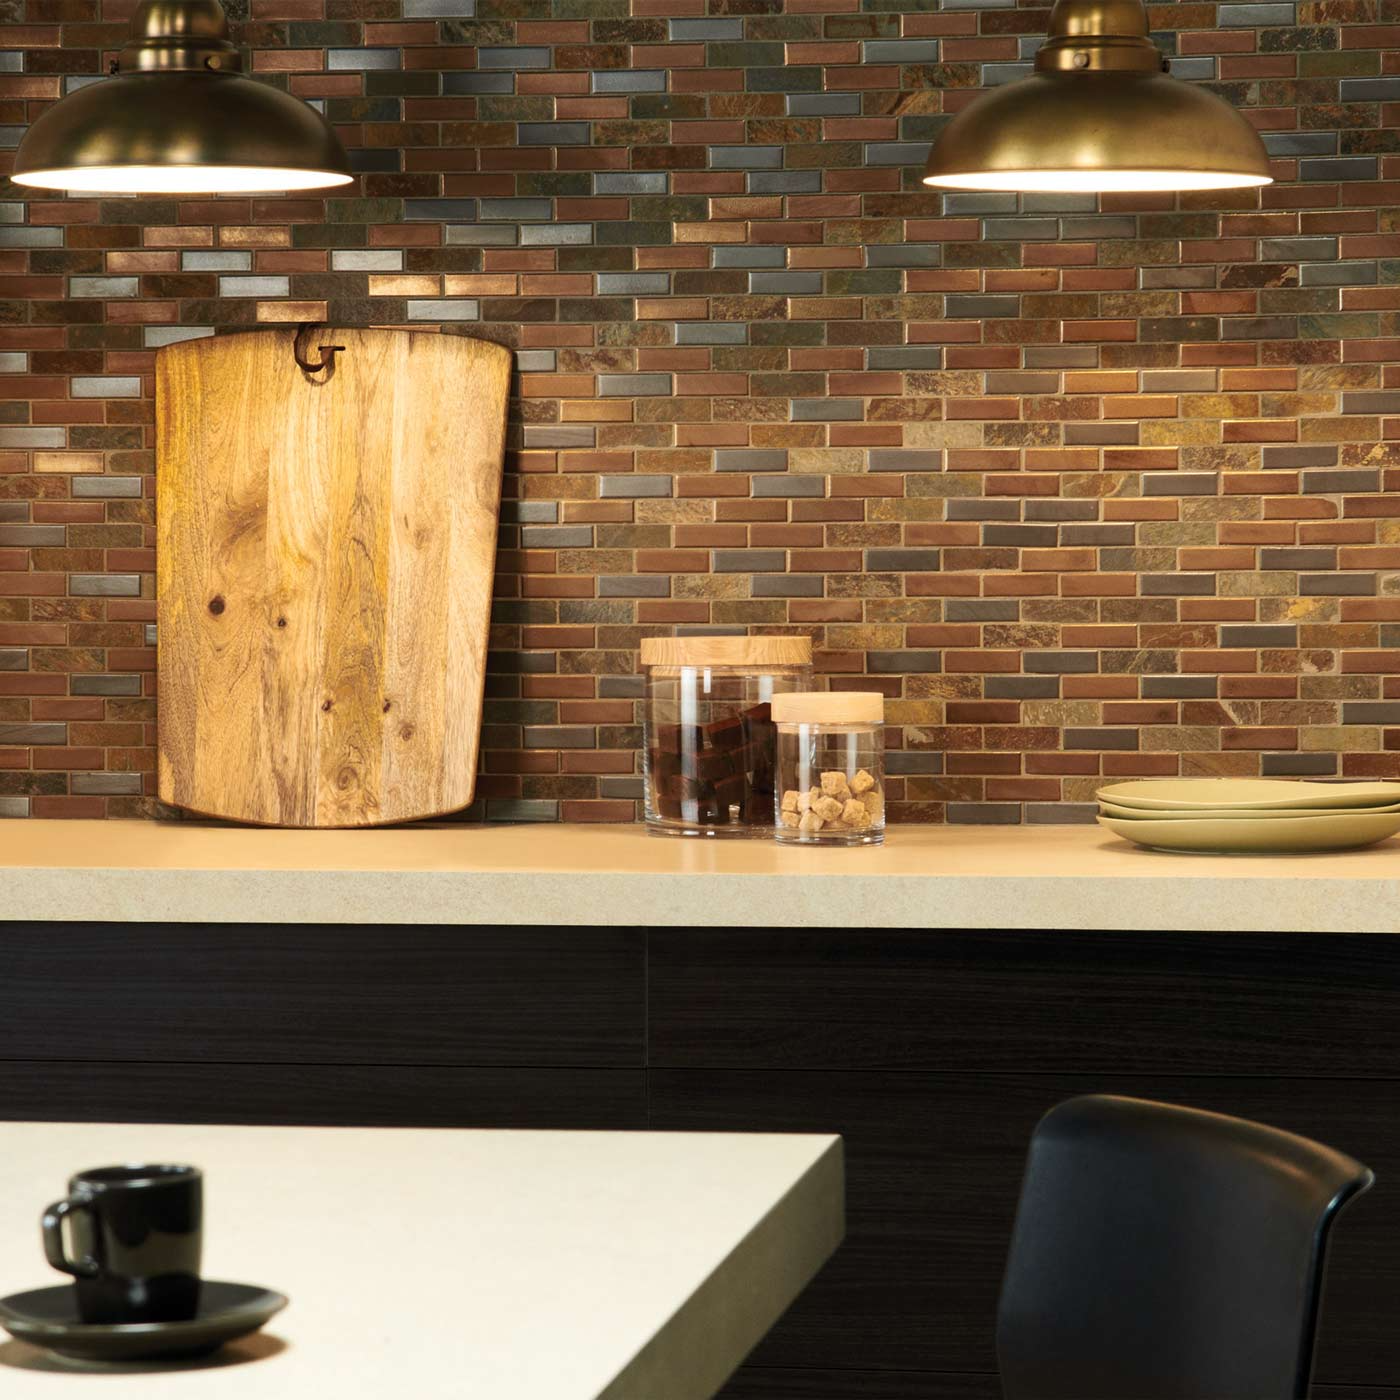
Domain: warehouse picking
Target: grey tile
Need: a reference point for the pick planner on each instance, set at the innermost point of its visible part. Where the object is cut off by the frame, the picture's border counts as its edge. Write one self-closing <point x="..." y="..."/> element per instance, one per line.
<point x="750" y="257"/>
<point x="827" y="410"/>
<point x="103" y="286"/>
<point x="902" y="761"/>
<point x="26" y="237"/>
<point x="1021" y="687"/>
<point x="1348" y="585"/>
<point x="1339" y="168"/>
<point x="901" y="560"/>
<point x="478" y="84"/>
<point x="1297" y="249"/>
<point x="904" y="459"/>
<point x="1021" y="229"/>
<point x="748" y="561"/>
<point x="979" y="202"/>
<point x="629" y="284"/>
<point x="1100" y="434"/>
<point x="1201" y="68"/>
<point x="536" y="361"/>
<point x="1339" y="274"/>
<point x="1287" y="458"/>
<point x="439" y="209"/>
<point x="823" y="104"/>
<point x="1101" y="738"/>
<point x="786" y="486"/>
<point x="978" y="305"/>
<point x="205" y="260"/>
<point x="783" y="182"/>
<point x="787" y="586"/>
<point x="439" y="9"/>
<point x="105" y="386"/>
<point x="900" y="50"/>
<point x="1298" y="765"/>
<point x="983" y="813"/>
<point x="107" y="487"/>
<point x="13" y="361"/>
<point x="979" y="508"/>
<point x="786" y="283"/>
<point x="630" y="181"/>
<point x="33" y="733"/>
<point x="1061" y="663"/>
<point x="904" y="255"/>
<point x="620" y="386"/>
<point x="711" y="333"/>
<point x="1317" y="558"/>
<point x="443" y="309"/>
<point x="1299" y="143"/>
<point x="1061" y="357"/>
<point x="1180" y="687"/>
<point x="746" y="158"/>
<point x="620" y="787"/>
<point x="1062" y="813"/>
<point x="529" y="512"/>
<point x="999" y="74"/>
<point x="255" y="286"/>
<point x="556" y="537"/>
<point x="1059" y="509"/>
<point x="635" y="80"/>
<point x="896" y="152"/>
<point x="884" y="663"/>
<point x="1370" y="89"/>
<point x="106" y="784"/>
<point x="1248" y="634"/>
<point x="750" y="459"/>
<point x="1184" y="585"/>
<point x="32" y="437"/>
<point x="104" y="585"/>
<point x="628" y="487"/>
<point x="1020" y="536"/>
<point x="1255" y="16"/>
<point x="521" y="809"/>
<point x="1332" y="482"/>
<point x="481" y="235"/>
<point x="153" y="337"/>
<point x="32" y="536"/>
<point x="13" y="806"/>
<point x="555" y="235"/>
<point x="1180" y="484"/>
<point x="553" y="133"/>
<point x="105" y="685"/>
<point x="560" y="435"/>
<point x="1371" y="712"/>
<point x="904" y="357"/>
<point x="497" y="56"/>
<point x="1374" y="401"/>
<point x="689" y="31"/>
<point x="14" y="659"/>
<point x="634" y="586"/>
<point x="515" y="209"/>
<point x="353" y="60"/>
<point x="982" y="610"/>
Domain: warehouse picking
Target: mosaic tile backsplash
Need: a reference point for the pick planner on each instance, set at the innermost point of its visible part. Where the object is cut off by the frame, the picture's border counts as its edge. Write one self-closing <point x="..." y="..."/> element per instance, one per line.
<point x="1089" y="489"/>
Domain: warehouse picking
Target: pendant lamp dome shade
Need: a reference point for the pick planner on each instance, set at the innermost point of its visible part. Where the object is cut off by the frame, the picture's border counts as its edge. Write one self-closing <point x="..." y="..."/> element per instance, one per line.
<point x="179" y="117"/>
<point x="1099" y="113"/>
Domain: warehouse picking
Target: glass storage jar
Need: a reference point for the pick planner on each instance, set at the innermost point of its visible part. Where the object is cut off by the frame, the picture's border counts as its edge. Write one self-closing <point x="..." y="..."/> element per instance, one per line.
<point x="708" y="734"/>
<point x="830" y="782"/>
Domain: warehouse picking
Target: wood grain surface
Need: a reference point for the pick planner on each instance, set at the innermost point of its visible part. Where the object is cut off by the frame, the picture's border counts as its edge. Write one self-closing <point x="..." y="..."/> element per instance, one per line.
<point x="326" y="546"/>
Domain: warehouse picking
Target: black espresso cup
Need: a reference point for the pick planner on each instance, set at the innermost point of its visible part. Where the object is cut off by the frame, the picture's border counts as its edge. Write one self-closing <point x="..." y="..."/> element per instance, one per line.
<point x="136" y="1232"/>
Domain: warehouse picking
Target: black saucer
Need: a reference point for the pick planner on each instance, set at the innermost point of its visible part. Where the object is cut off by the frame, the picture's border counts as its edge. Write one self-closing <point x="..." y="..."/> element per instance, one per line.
<point x="48" y="1318"/>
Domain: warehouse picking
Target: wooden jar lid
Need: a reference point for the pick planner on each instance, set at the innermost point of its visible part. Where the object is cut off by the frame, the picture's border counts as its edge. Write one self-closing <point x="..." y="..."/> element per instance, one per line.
<point x="727" y="651"/>
<point x="829" y="707"/>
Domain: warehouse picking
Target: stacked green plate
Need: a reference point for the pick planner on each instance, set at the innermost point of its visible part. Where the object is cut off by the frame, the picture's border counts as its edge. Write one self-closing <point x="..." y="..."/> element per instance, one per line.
<point x="1227" y="815"/>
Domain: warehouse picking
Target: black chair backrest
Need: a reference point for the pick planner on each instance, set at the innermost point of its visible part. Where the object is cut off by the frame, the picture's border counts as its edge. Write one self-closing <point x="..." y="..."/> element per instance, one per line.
<point x="1164" y="1253"/>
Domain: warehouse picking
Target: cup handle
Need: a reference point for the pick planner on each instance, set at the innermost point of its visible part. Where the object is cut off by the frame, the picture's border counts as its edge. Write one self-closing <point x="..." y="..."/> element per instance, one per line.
<point x="52" y="1225"/>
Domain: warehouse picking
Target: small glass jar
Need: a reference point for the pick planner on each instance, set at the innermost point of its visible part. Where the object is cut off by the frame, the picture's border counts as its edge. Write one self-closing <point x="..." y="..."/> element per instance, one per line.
<point x="831" y="768"/>
<point x="709" y="743"/>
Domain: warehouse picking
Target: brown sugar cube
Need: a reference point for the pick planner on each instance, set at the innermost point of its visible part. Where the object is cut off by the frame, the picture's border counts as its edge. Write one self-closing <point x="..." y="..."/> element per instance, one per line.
<point x="805" y="799"/>
<point x="827" y="808"/>
<point x="854" y="813"/>
<point x="790" y="818"/>
<point x="835" y="785"/>
<point x="790" y="801"/>
<point x="874" y="803"/>
<point x="809" y="821"/>
<point x="862" y="782"/>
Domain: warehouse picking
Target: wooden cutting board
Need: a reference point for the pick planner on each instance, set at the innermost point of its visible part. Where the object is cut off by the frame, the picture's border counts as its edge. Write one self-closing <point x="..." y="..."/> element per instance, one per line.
<point x="325" y="550"/>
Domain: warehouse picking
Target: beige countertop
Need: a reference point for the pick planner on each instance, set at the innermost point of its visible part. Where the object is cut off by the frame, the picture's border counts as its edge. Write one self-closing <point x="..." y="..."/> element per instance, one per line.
<point x="1049" y="877"/>
<point x="447" y="1263"/>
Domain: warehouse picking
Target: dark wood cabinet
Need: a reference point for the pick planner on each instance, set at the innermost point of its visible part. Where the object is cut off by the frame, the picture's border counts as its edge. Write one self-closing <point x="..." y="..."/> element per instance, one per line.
<point x="932" y="1053"/>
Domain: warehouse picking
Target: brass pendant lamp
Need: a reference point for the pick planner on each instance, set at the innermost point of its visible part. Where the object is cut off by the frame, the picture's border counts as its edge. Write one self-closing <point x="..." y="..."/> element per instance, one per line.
<point x="1100" y="113"/>
<point x="179" y="117"/>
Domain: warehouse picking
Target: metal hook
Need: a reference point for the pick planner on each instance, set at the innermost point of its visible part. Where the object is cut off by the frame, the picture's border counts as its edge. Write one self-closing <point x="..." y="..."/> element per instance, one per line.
<point x="328" y="353"/>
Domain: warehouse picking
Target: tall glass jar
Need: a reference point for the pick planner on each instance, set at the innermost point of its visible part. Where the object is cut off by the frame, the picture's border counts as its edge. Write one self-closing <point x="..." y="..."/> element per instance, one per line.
<point x="830" y="783"/>
<point x="708" y="755"/>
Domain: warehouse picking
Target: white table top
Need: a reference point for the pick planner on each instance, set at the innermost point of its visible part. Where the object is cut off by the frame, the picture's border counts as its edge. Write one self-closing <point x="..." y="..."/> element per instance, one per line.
<point x="461" y="1264"/>
<point x="924" y="877"/>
